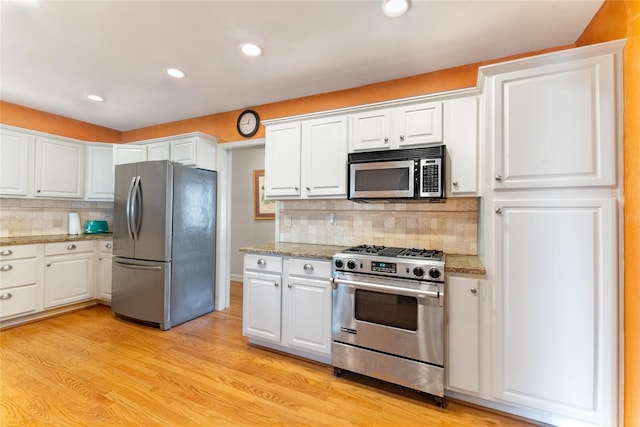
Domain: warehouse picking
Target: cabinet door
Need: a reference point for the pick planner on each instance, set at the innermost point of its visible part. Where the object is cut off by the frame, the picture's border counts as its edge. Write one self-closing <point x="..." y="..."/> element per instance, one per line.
<point x="68" y="279"/>
<point x="556" y="306"/>
<point x="15" y="164"/>
<point x="282" y="160"/>
<point x="463" y="302"/>
<point x="59" y="168"/>
<point x="417" y="125"/>
<point x="461" y="139"/>
<point x="307" y="314"/>
<point x="555" y="125"/>
<point x="100" y="172"/>
<point x="104" y="276"/>
<point x="370" y="130"/>
<point x="185" y="151"/>
<point x="261" y="306"/>
<point x="324" y="157"/>
<point x="159" y="151"/>
<point x="129" y="154"/>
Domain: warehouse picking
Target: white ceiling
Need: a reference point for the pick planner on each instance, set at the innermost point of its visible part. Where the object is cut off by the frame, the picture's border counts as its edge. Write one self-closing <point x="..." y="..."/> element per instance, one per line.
<point x="52" y="53"/>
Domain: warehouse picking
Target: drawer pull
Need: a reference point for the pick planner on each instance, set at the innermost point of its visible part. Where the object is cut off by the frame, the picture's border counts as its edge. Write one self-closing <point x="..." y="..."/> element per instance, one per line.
<point x="49" y="265"/>
<point x="262" y="262"/>
<point x="108" y="246"/>
<point x="6" y="252"/>
<point x="6" y="267"/>
<point x="308" y="267"/>
<point x="6" y="296"/>
<point x="71" y="247"/>
<point x="473" y="290"/>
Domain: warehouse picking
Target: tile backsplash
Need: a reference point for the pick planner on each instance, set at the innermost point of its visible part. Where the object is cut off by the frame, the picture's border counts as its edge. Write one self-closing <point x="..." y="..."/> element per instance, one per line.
<point x="32" y="217"/>
<point x="451" y="226"/>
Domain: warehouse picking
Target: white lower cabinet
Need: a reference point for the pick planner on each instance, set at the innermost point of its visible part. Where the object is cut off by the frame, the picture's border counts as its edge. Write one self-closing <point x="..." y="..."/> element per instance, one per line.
<point x="103" y="270"/>
<point x="69" y="272"/>
<point x="463" y="334"/>
<point x="19" y="281"/>
<point x="287" y="305"/>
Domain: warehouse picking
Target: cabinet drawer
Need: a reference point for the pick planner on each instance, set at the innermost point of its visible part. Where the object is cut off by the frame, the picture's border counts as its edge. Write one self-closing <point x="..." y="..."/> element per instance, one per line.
<point x="17" y="272"/>
<point x="263" y="263"/>
<point x="106" y="246"/>
<point x="310" y="267"/>
<point x="19" y="251"/>
<point x="17" y="301"/>
<point x="64" y="248"/>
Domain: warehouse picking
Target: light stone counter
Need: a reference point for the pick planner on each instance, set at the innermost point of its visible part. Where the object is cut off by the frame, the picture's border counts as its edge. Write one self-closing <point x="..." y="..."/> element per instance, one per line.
<point x="465" y="264"/>
<point x="52" y="238"/>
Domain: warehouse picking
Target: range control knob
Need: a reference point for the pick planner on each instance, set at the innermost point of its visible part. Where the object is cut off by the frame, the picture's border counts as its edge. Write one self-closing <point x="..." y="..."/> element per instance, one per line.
<point x="339" y="263"/>
<point x="434" y="273"/>
<point x="418" y="271"/>
<point x="351" y="264"/>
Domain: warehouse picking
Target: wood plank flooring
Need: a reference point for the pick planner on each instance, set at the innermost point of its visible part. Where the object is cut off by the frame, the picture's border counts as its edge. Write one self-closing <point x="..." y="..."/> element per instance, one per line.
<point x="89" y="368"/>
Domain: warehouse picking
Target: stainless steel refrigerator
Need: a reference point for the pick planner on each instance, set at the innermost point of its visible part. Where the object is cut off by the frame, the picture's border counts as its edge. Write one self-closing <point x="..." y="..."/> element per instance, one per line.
<point x="164" y="240"/>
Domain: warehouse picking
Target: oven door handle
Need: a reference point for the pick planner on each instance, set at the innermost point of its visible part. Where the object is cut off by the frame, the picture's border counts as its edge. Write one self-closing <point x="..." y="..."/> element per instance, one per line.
<point x="388" y="289"/>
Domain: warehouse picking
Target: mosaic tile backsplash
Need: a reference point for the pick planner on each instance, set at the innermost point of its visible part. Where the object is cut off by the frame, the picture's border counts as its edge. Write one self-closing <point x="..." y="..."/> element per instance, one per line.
<point x="451" y="226"/>
<point x="33" y="217"/>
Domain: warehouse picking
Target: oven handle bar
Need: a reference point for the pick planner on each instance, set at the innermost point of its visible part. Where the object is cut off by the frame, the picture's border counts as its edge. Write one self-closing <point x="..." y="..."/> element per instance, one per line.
<point x="387" y="289"/>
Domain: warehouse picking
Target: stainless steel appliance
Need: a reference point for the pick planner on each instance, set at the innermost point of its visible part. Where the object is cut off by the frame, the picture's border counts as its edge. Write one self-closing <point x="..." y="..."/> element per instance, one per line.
<point x="164" y="240"/>
<point x="416" y="173"/>
<point x="388" y="315"/>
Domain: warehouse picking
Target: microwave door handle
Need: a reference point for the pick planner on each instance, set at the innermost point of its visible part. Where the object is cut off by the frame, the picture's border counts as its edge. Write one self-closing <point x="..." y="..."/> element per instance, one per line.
<point x="388" y="289"/>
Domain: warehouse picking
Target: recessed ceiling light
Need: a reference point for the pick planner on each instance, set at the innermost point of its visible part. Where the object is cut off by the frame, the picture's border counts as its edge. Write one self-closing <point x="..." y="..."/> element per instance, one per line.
<point x="251" y="49"/>
<point x="175" y="73"/>
<point x="395" y="8"/>
<point x="96" y="98"/>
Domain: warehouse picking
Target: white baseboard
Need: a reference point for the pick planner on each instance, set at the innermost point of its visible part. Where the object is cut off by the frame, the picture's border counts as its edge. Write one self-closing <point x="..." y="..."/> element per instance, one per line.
<point x="236" y="278"/>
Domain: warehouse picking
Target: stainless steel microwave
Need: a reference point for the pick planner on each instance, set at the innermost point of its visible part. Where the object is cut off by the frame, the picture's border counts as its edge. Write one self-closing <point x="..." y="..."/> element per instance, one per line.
<point x="409" y="174"/>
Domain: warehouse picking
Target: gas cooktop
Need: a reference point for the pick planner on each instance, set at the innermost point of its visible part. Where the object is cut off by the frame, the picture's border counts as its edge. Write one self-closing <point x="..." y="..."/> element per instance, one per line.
<point x="393" y="252"/>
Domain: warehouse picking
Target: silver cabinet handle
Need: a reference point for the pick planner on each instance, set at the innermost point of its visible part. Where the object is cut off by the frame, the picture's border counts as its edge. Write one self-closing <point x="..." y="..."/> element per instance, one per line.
<point x="6" y="267"/>
<point x="108" y="246"/>
<point x="99" y="259"/>
<point x="386" y="140"/>
<point x="401" y="138"/>
<point x="499" y="211"/>
<point x="308" y="189"/>
<point x="6" y="252"/>
<point x="71" y="247"/>
<point x="262" y="262"/>
<point x="289" y="286"/>
<point x="454" y="183"/>
<point x="473" y="290"/>
<point x="275" y="284"/>
<point x="498" y="178"/>
<point x="38" y="191"/>
<point x="295" y="188"/>
<point x="308" y="267"/>
<point x="6" y="296"/>
<point x="49" y="265"/>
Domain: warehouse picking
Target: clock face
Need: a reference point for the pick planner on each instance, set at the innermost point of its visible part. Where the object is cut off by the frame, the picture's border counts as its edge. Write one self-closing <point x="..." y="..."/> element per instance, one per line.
<point x="248" y="123"/>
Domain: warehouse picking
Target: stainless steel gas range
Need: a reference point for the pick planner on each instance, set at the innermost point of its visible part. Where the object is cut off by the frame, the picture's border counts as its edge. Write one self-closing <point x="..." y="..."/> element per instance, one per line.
<point x="388" y="316"/>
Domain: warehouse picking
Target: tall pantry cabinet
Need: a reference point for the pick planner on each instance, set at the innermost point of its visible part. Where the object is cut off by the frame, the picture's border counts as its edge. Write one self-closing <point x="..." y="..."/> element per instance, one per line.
<point x="553" y="233"/>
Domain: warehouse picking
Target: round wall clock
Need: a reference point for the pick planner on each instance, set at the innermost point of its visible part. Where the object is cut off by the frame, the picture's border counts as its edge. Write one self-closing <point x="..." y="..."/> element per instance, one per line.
<point x="248" y="123"/>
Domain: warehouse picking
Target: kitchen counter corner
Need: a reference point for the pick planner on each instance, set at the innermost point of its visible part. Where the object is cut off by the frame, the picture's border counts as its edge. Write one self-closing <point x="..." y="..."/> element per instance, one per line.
<point x="465" y="264"/>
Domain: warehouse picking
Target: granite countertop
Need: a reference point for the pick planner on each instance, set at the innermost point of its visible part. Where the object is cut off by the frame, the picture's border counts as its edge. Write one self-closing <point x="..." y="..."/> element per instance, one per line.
<point x="52" y="238"/>
<point x="466" y="264"/>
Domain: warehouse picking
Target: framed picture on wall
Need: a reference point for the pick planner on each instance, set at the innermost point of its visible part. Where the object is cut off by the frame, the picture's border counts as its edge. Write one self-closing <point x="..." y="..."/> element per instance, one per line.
<point x="262" y="209"/>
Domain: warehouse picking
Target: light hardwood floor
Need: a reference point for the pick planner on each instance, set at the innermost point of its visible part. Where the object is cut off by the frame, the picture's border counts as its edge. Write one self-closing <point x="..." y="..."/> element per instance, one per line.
<point x="89" y="368"/>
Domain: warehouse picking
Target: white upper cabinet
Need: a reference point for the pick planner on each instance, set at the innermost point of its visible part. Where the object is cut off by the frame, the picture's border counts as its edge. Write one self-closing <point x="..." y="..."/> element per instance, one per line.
<point x="554" y="125"/>
<point x="282" y="160"/>
<point x="159" y="151"/>
<point x="99" y="172"/>
<point x="16" y="151"/>
<point x="461" y="139"/>
<point x="59" y="168"/>
<point x="400" y="127"/>
<point x="324" y="157"/>
<point x="129" y="153"/>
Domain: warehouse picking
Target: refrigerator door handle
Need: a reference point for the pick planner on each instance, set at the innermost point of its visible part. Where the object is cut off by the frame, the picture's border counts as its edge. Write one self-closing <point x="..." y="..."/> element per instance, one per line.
<point x="129" y="207"/>
<point x="137" y="208"/>
<point x="138" y="267"/>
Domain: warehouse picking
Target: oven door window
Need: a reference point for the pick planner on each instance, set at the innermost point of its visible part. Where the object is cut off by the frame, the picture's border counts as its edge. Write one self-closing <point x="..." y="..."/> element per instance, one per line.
<point x="397" y="311"/>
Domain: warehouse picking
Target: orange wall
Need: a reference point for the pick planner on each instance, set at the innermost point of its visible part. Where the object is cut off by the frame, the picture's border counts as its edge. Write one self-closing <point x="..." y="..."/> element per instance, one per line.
<point x="619" y="19"/>
<point x="28" y="118"/>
